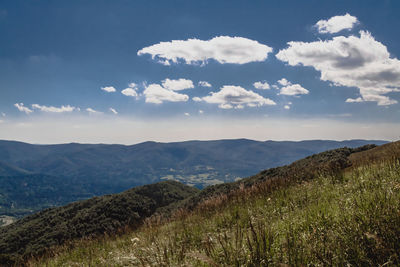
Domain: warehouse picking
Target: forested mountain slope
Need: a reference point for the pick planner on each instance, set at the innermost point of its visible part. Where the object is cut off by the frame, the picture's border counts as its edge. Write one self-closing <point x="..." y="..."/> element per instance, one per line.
<point x="34" y="177"/>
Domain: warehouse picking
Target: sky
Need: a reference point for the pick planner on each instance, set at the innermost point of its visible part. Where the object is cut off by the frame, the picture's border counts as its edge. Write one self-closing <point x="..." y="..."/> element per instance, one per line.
<point x="99" y="71"/>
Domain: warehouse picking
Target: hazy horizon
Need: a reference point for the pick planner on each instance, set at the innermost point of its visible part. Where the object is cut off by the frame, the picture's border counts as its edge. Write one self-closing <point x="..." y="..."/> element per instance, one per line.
<point x="83" y="132"/>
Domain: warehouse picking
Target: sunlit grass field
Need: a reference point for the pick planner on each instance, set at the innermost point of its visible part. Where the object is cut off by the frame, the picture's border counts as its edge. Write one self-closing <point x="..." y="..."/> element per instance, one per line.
<point x="352" y="217"/>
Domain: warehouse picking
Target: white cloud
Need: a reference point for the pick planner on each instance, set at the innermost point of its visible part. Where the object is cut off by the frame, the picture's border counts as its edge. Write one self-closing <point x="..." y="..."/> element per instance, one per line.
<point x="113" y="111"/>
<point x="108" y="89"/>
<point x="352" y="61"/>
<point x="187" y="114"/>
<point x="197" y="99"/>
<point x="129" y="92"/>
<point x="236" y="97"/>
<point x="287" y="106"/>
<point x="133" y="85"/>
<point x="201" y="112"/>
<point x="354" y="100"/>
<point x="52" y="109"/>
<point x="92" y="111"/>
<point x="22" y="108"/>
<point x="204" y="84"/>
<point x="223" y="49"/>
<point x="177" y="85"/>
<point x="291" y="89"/>
<point x="336" y="24"/>
<point x="261" y="85"/>
<point x="155" y="93"/>
<point x="284" y="82"/>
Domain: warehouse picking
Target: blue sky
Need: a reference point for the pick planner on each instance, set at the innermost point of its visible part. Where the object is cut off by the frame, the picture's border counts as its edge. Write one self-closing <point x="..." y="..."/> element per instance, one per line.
<point x="282" y="70"/>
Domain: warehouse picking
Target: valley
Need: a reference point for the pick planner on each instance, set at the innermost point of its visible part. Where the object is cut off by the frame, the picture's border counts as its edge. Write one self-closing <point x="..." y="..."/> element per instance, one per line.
<point x="36" y="177"/>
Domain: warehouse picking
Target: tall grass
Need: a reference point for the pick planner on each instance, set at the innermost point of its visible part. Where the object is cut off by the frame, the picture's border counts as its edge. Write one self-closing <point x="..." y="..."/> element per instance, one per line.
<point x="339" y="219"/>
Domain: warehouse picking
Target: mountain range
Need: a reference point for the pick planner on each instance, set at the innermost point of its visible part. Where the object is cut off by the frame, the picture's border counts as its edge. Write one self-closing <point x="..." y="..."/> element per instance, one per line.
<point x="34" y="177"/>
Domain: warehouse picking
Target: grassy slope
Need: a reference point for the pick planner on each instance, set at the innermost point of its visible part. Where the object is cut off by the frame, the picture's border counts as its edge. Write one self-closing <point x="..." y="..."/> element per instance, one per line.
<point x="337" y="218"/>
<point x="108" y="214"/>
<point x="327" y="162"/>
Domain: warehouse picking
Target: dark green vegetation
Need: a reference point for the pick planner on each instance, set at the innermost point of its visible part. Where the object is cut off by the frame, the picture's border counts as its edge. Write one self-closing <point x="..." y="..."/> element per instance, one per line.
<point x="34" y="177"/>
<point x="345" y="211"/>
<point x="25" y="194"/>
<point x="108" y="214"/>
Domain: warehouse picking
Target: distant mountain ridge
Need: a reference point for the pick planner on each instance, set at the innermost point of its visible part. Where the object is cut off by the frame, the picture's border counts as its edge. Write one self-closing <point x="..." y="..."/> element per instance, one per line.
<point x="59" y="174"/>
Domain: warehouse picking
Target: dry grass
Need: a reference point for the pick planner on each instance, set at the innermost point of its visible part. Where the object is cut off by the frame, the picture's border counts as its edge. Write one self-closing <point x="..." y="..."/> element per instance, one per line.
<point x="351" y="218"/>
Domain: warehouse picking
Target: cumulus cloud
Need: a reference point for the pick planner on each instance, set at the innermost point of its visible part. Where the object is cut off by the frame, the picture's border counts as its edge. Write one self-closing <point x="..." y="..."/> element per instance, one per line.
<point x="261" y="85"/>
<point x="197" y="99"/>
<point x="223" y="49"/>
<point x="113" y="111"/>
<point x="131" y="90"/>
<point x="354" y="100"/>
<point x="201" y="112"/>
<point x="291" y="89"/>
<point x="109" y="89"/>
<point x="92" y="111"/>
<point x="177" y="85"/>
<point x="187" y="114"/>
<point x="237" y="97"/>
<point x="352" y="61"/>
<point x="336" y="24"/>
<point x="294" y="89"/>
<point x="284" y="82"/>
<point x="22" y="108"/>
<point x="204" y="84"/>
<point x="157" y="94"/>
<point x="52" y="109"/>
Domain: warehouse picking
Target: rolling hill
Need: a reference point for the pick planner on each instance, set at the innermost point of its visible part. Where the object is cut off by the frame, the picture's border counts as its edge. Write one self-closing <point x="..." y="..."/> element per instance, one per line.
<point x="112" y="213"/>
<point x="337" y="208"/>
<point x="107" y="214"/>
<point x="34" y="177"/>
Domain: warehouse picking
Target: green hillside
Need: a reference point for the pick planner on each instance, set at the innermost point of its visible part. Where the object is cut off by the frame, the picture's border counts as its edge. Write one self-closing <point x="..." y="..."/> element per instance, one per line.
<point x="346" y="213"/>
<point x="25" y="194"/>
<point x="97" y="216"/>
<point x="10" y="170"/>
